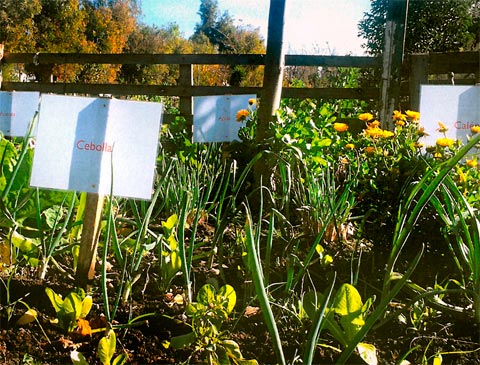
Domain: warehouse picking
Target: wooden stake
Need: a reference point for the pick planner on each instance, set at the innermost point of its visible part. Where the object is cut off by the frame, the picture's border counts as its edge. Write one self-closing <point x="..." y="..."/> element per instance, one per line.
<point x="88" y="244"/>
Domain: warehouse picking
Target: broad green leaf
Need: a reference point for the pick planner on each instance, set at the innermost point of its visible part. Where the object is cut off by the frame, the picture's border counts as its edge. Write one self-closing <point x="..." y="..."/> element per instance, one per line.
<point x="347" y="300"/>
<point x="106" y="347"/>
<point x="86" y="306"/>
<point x="24" y="244"/>
<point x="368" y="353"/>
<point x="206" y="294"/>
<point x="55" y="299"/>
<point x="227" y="292"/>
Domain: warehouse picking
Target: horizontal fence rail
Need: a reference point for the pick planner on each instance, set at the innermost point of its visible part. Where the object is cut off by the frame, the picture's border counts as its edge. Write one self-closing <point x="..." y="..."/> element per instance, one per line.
<point x="417" y="70"/>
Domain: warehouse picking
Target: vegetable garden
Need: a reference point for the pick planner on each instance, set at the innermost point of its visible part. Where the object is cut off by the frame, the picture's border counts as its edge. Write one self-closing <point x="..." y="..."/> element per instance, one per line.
<point x="328" y="243"/>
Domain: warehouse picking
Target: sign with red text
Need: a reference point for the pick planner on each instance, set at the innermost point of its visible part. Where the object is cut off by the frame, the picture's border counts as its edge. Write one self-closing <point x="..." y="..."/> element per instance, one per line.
<point x="95" y="145"/>
<point x="17" y="110"/>
<point x="457" y="107"/>
<point x="215" y="117"/>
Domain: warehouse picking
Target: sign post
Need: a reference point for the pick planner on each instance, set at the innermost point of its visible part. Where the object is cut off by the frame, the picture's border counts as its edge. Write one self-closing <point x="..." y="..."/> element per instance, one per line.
<point x="88" y="144"/>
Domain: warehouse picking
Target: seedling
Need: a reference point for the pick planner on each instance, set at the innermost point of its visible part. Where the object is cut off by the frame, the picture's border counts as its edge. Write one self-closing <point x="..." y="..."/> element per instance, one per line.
<point x="71" y="310"/>
<point x="208" y="315"/>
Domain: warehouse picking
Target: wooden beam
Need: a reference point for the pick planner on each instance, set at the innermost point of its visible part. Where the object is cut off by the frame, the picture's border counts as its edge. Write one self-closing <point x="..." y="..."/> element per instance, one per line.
<point x="392" y="58"/>
<point x="89" y="241"/>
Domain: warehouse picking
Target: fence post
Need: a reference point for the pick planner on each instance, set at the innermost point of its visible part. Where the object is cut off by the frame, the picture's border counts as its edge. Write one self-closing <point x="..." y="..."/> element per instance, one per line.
<point x="392" y="58"/>
<point x="186" y="102"/>
<point x="418" y="76"/>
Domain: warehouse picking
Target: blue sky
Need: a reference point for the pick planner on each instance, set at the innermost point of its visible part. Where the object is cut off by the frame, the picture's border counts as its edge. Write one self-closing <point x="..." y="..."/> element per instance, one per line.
<point x="311" y="26"/>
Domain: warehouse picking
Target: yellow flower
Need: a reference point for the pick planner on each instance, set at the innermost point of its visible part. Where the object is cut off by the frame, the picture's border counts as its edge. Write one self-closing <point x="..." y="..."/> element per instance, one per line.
<point x="350" y="146"/>
<point x="437" y="155"/>
<point x="387" y="134"/>
<point x="242" y="115"/>
<point x="252" y="101"/>
<point x="475" y="129"/>
<point x="414" y="116"/>
<point x="472" y="163"/>
<point x="374" y="124"/>
<point x="462" y="179"/>
<point x="445" y="142"/>
<point x="369" y="150"/>
<point x="400" y="123"/>
<point x="421" y="132"/>
<point x="442" y="128"/>
<point x="340" y="127"/>
<point x="365" y="117"/>
<point x="374" y="132"/>
<point x="398" y="115"/>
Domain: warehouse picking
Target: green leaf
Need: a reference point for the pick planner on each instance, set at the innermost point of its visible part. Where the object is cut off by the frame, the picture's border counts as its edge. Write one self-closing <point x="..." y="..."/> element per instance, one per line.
<point x="347" y="300"/>
<point x="55" y="299"/>
<point x="227" y="292"/>
<point x="86" y="306"/>
<point x="206" y="294"/>
<point x="106" y="347"/>
<point x="120" y="359"/>
<point x="182" y="341"/>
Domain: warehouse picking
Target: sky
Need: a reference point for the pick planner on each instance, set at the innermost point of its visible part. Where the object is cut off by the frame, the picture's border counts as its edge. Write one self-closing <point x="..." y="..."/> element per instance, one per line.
<point x="325" y="27"/>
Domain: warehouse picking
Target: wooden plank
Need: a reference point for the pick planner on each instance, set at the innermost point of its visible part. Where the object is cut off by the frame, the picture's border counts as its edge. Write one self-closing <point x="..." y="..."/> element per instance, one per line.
<point x="129" y="58"/>
<point x="418" y="76"/>
<point x="333" y="61"/>
<point x="85" y="272"/>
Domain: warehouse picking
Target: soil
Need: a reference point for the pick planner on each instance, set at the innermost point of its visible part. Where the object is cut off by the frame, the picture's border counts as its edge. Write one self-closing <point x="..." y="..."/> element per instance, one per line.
<point x="41" y="342"/>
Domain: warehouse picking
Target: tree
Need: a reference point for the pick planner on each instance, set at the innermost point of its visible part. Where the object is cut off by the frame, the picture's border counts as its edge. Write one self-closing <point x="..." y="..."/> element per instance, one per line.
<point x="17" y="25"/>
<point x="432" y="26"/>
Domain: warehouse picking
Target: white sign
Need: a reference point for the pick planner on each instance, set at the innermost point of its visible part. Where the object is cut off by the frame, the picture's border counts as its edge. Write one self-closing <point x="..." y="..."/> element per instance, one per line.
<point x="17" y="110"/>
<point x="457" y="107"/>
<point x="215" y="117"/>
<point x="89" y="144"/>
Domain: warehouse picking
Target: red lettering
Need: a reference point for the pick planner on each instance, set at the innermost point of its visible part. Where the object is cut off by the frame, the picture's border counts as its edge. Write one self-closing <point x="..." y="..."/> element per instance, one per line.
<point x="91" y="146"/>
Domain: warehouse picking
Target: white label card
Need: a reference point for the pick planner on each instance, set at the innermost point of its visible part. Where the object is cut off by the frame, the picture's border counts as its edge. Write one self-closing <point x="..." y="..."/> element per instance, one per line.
<point x="457" y="107"/>
<point x="214" y="117"/>
<point x="93" y="145"/>
<point x="17" y="110"/>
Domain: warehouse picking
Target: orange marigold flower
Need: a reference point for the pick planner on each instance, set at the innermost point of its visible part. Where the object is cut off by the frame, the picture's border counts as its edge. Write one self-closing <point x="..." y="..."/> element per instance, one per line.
<point x="374" y="124"/>
<point x="242" y="115"/>
<point x="84" y="327"/>
<point x="413" y="115"/>
<point x="472" y="163"/>
<point x="340" y="127"/>
<point x="350" y="146"/>
<point x="252" y="101"/>
<point x="365" y="117"/>
<point x="397" y="115"/>
<point x="442" y="128"/>
<point x="400" y="123"/>
<point x="369" y="150"/>
<point x="445" y="142"/>
<point x="475" y="129"/>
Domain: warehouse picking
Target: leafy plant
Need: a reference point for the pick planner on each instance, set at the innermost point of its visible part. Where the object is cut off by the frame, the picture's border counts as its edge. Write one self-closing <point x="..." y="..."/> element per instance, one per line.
<point x="209" y="314"/>
<point x="345" y="318"/>
<point x="71" y="310"/>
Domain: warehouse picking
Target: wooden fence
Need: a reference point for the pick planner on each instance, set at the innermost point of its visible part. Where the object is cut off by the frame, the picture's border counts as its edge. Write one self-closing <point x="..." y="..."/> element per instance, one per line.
<point x="416" y="70"/>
